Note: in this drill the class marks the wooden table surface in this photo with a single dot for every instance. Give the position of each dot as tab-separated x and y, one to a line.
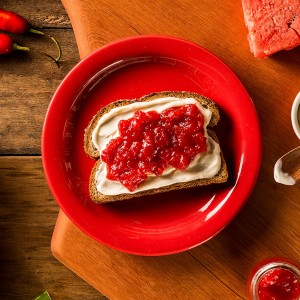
267	226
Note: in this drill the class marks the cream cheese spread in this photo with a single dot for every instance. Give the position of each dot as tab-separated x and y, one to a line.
204	165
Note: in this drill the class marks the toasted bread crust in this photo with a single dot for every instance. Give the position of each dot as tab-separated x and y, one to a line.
90	150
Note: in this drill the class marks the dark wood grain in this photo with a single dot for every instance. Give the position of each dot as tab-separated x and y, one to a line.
27	216
27	209
28	81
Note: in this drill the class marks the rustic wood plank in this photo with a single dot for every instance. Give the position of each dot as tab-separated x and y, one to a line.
28	81
27	216
45	13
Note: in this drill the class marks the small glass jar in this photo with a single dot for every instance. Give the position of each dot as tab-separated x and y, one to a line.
276	279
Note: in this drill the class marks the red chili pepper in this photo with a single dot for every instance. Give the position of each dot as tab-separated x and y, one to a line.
7	45
14	23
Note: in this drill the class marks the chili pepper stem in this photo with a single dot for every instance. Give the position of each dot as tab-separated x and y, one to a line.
22	48
52	38
18	47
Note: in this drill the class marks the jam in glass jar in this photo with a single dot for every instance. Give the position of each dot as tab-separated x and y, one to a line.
275	279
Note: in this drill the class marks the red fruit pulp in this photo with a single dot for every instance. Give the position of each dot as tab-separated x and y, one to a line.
150	142
279	284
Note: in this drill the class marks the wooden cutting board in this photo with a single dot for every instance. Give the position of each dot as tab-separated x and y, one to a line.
268	225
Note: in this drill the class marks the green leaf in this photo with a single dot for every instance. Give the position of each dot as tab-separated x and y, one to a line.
44	296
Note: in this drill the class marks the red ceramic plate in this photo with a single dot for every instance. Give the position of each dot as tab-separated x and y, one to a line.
130	68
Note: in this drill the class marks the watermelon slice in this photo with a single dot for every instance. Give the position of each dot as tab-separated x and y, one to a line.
273	25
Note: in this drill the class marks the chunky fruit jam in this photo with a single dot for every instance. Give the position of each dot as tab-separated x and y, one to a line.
150	142
279	284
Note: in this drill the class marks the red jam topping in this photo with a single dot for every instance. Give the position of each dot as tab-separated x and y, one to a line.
279	284
150	142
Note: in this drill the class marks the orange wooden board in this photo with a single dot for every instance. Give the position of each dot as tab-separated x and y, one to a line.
268	225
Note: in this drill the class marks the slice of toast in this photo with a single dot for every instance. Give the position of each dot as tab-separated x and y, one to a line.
91	151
